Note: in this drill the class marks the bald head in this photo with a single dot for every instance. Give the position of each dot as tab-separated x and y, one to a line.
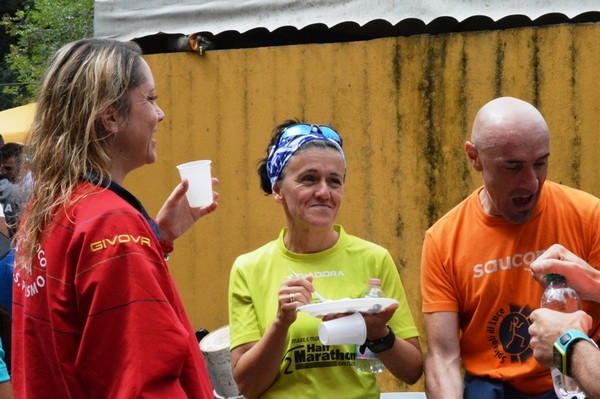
510	147
507	119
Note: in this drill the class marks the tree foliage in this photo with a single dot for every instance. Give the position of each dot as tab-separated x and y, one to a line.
7	7
40	30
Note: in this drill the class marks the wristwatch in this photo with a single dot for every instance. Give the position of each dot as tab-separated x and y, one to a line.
381	344
563	347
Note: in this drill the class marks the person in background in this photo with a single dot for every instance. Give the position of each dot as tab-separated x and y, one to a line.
11	200
272	343
6	279
3	226
5	319
548	325
7	266
95	310
5	336
477	288
10	161
5	387
11	196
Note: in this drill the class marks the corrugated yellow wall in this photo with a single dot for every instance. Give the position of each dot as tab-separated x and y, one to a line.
404	107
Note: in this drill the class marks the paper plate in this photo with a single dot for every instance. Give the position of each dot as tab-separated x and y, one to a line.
363	305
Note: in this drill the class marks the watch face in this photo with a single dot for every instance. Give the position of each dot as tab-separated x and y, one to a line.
560	356
558	359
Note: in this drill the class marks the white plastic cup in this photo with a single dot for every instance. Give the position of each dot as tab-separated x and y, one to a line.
200	192
344	330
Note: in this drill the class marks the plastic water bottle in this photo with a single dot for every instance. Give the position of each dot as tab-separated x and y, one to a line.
367	362
560	297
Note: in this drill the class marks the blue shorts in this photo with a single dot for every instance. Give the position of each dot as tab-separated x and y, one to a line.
487	388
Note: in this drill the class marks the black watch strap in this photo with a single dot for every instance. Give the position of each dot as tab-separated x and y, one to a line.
382	344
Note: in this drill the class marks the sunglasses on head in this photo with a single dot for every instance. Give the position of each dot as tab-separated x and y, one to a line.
306	129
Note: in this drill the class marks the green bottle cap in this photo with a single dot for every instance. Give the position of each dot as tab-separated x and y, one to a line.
553	277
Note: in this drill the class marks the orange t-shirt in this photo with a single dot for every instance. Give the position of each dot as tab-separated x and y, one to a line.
478	265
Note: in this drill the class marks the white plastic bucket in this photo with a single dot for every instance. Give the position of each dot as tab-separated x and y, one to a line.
215	348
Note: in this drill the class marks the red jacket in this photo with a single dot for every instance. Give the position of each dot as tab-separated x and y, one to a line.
100	316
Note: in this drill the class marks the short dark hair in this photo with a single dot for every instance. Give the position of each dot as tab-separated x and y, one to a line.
10	150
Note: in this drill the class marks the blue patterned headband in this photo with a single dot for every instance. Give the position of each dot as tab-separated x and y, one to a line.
294	137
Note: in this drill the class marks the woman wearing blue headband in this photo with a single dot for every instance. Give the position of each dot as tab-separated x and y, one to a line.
276	352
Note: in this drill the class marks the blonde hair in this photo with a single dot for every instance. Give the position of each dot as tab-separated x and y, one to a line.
67	141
